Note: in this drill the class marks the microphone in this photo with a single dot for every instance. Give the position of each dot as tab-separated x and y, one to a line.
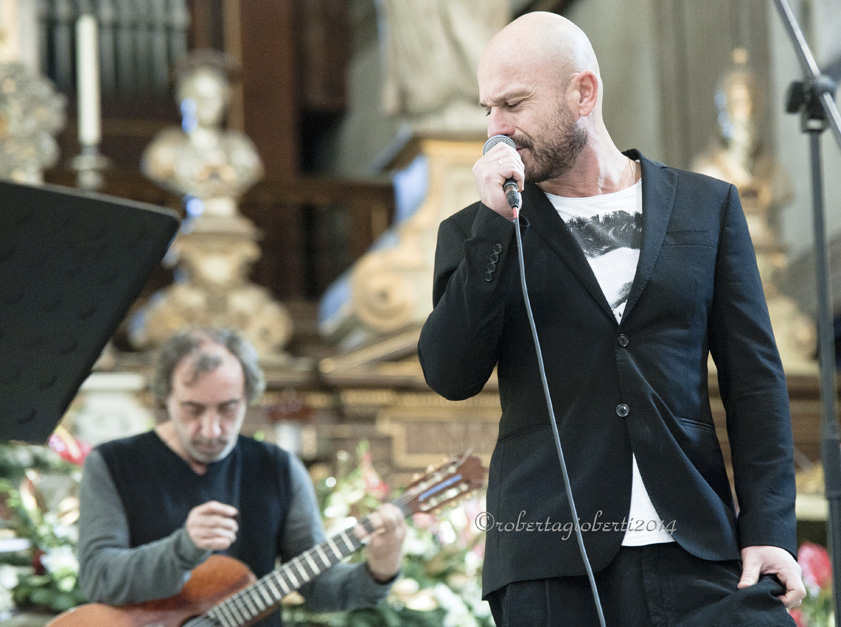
512	192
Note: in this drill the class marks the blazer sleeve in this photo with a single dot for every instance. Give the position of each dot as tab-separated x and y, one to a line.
475	263
753	389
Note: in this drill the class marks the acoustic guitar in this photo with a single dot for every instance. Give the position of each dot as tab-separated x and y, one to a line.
223	592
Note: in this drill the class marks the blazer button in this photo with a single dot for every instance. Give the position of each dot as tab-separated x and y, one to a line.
497	248
622	340
494	257
489	276
623	410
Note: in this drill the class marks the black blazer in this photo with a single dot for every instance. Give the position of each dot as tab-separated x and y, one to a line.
637	386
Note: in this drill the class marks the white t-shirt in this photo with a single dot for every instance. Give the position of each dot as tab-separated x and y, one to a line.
608	228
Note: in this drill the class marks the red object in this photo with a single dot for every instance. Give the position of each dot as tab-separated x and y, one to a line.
37	564
373	484
69	448
797	615
817	568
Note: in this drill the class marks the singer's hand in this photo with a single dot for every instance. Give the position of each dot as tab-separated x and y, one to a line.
500	163
772	560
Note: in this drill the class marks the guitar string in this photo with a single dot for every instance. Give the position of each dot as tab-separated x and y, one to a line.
241	598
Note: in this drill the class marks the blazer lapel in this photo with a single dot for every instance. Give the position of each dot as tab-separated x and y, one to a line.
545	221
658	197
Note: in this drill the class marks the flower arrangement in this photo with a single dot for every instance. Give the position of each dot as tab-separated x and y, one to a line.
817	608
38	570
440	584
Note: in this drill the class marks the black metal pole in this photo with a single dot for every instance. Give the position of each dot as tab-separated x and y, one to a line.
810	69
812	98
830	433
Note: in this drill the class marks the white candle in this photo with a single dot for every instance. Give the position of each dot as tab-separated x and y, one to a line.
87	80
9	38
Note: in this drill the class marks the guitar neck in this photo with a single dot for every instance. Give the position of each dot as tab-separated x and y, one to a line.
264	595
439	487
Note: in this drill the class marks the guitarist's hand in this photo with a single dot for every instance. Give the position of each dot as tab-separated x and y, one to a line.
212	526
385	546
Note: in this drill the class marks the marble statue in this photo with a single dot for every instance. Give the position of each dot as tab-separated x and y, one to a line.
202	159
431	50
740	156
211	167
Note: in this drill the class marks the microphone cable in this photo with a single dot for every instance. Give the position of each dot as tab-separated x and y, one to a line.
514	201
578	535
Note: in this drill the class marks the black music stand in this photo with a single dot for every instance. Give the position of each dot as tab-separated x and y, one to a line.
812	98
71	265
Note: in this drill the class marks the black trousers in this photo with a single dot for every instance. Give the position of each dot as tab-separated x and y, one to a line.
660	585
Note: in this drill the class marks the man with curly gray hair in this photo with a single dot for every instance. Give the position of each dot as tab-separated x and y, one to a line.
155	506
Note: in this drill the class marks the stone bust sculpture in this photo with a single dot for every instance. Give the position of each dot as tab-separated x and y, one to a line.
739	154
211	166
203	159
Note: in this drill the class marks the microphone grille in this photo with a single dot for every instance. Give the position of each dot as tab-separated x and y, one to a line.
493	141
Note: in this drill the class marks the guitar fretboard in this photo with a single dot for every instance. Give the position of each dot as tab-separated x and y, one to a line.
265	594
435	489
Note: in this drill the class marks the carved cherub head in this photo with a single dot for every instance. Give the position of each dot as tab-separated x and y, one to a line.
203	87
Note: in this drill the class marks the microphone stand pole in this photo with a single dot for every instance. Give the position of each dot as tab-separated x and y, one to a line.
812	98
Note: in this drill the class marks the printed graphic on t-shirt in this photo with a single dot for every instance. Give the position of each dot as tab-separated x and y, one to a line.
611	243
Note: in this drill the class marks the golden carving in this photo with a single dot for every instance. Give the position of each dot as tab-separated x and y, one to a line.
390	287
31	113
422	435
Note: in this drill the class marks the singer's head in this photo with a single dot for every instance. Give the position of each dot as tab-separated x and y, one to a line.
539	83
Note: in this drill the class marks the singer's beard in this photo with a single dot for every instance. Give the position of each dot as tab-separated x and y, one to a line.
555	155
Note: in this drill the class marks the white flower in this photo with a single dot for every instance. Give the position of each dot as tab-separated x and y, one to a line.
457	612
405	587
415	543
61	561
472	563
423	601
8	580
336	509
446	533
21	456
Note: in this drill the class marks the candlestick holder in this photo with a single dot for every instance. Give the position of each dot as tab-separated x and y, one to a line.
89	166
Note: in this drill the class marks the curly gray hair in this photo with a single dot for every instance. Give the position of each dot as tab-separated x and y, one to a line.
185	343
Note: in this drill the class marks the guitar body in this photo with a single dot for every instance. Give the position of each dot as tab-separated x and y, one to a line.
211	582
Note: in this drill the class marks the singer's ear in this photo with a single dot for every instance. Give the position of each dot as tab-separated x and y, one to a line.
587	84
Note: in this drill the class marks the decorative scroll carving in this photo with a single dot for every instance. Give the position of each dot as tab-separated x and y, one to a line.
390	287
